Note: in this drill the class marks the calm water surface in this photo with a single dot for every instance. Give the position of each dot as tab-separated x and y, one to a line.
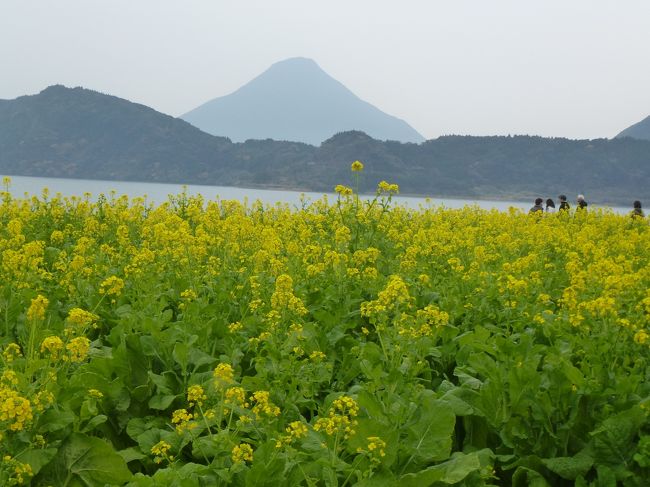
159	192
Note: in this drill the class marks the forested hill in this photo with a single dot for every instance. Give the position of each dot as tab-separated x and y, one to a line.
79	133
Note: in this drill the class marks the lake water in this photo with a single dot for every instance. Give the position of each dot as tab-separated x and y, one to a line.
159	192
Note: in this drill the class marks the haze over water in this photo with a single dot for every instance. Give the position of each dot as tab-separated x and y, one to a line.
158	193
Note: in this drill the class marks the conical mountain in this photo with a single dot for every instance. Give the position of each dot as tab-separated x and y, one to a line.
640	130
296	100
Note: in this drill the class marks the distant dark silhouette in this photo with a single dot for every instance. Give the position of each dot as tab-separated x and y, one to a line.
550	206
564	205
637	212
581	202
538	206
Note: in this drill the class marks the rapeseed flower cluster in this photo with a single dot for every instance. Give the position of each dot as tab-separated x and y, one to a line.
242	453
262	405
340	418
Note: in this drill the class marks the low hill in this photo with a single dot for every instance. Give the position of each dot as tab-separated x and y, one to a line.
79	133
640	130
296	100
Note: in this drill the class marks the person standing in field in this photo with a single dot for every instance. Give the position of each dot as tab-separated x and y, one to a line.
637	211
564	205
538	206
581	202
550	206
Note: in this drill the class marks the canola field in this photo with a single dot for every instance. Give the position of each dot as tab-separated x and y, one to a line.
205	343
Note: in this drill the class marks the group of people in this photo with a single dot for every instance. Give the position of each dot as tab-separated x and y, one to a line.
581	204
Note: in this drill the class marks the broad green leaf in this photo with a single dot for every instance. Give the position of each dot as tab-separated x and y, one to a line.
569	467
612	442
449	472
429	438
161	402
56	420
131	454
181	355
526	477
91	461
37	459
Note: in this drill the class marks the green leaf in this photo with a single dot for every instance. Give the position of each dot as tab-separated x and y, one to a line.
429	438
449	472
94	422
526	477
181	355
612	443
569	468
56	420
161	402
131	454
37	459
90	461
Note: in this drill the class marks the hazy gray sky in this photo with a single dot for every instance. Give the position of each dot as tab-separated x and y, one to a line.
569	68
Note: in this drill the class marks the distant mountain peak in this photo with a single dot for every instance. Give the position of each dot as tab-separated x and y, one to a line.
640	130
295	99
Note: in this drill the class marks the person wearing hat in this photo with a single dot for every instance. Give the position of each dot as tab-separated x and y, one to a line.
564	205
580	201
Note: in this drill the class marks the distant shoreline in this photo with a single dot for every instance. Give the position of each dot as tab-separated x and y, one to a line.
516	199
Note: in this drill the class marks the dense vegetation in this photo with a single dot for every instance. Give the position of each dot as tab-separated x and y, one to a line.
79	133
346	343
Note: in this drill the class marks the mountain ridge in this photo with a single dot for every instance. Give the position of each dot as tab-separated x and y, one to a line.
295	100
80	133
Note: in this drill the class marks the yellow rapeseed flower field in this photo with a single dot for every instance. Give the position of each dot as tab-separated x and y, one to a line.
346	343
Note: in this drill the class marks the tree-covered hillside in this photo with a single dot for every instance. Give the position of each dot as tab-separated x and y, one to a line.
78	133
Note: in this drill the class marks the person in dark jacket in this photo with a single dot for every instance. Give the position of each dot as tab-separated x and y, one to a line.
564	205
637	212
538	206
581	202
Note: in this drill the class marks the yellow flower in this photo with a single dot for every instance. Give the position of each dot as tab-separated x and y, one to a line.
242	453
111	286
11	352
160	451
317	356
195	394
78	349
357	166
81	318
233	327
182	419
37	308
236	396
15	408
641	337
53	345
340	418
384	187
263	406
10	377
295	431
223	375
95	393
343	190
